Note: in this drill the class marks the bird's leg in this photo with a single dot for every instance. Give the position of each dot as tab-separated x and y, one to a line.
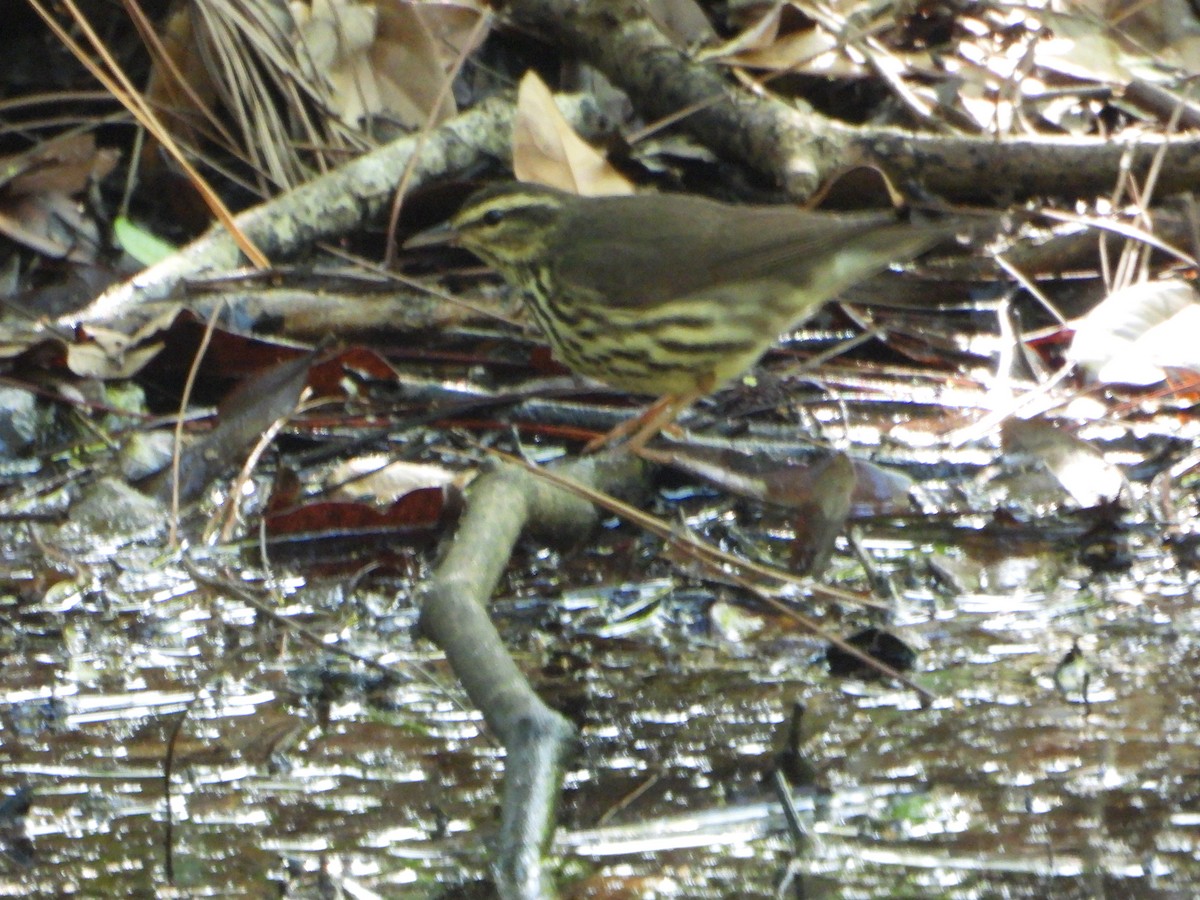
661	414
648	423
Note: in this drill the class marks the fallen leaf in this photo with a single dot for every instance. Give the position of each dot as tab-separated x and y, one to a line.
683	21
390	59
1137	333
419	510
37	188
381	479
546	150
64	165
766	46
1079	468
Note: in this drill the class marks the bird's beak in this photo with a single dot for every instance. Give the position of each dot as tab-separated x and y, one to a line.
442	235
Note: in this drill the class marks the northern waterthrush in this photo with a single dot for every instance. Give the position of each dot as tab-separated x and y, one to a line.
673	295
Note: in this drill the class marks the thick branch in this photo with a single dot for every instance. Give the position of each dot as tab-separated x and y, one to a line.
538	740
798	149
331	205
791	144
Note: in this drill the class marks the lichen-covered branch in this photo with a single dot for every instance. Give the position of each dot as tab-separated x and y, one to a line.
331	205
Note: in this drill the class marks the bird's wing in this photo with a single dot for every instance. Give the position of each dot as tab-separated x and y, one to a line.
634	255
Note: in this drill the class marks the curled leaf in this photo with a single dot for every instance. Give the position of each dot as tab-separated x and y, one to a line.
1137	333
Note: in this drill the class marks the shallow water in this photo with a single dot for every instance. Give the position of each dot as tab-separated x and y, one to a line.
294	771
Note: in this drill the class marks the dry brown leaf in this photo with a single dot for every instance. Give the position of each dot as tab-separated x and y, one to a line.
381	479
683	21
51	224
298	76
1137	333
92	360
63	165
337	38
1079	467
36	188
547	151
114	354
762	46
389	59
760	33
1084	49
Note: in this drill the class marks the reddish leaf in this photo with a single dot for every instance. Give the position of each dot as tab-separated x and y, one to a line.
327	378
420	510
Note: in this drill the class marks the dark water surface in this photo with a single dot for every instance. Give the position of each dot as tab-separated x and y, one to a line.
295	772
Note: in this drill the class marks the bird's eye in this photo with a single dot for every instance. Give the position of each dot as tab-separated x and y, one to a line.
492	217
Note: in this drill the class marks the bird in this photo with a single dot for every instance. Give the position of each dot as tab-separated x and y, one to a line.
673	295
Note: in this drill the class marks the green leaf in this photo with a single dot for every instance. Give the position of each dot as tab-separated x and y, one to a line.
143	246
